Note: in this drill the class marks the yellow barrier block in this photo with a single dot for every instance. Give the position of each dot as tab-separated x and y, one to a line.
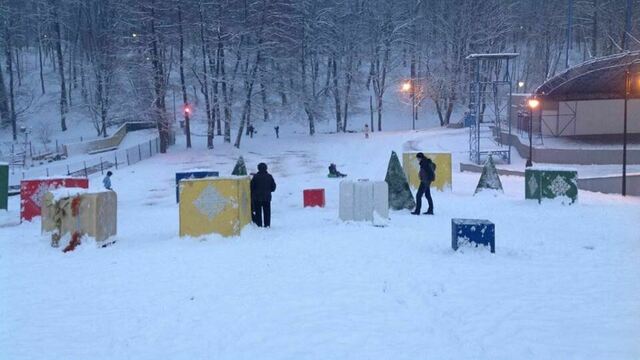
411	167
92	214
214	205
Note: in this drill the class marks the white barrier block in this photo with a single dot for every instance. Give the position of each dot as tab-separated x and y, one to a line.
346	200
363	204
381	199
359	200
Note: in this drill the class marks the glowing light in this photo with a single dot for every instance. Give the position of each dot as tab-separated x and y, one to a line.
533	103
134	35
520	84
187	109
406	86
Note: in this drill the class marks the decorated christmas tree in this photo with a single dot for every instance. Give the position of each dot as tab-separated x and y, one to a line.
240	168
400	196
489	178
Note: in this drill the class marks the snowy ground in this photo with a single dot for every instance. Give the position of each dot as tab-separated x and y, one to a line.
562	284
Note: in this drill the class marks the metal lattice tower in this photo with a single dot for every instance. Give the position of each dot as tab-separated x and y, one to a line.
490	106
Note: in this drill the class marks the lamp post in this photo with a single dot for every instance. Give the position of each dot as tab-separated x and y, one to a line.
408	87
627	90
532	103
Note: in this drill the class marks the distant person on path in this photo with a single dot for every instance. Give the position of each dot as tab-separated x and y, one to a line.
333	171
427	176
277	129
107	181
262	185
251	130
366	131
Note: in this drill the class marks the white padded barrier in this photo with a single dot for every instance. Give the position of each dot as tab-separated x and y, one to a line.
364	200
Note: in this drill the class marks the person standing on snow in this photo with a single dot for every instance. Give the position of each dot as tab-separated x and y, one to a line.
262	185
277	129
366	131
427	176
107	181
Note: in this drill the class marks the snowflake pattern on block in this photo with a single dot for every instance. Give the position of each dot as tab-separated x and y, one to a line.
210	203
559	186
533	185
37	196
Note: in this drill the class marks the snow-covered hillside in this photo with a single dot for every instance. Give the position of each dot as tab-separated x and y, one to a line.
561	285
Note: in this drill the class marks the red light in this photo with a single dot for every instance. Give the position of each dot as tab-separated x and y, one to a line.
187	109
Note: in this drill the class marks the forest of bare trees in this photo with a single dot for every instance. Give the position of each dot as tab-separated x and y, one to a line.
243	61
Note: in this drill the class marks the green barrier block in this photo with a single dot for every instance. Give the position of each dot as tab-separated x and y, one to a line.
4	186
550	184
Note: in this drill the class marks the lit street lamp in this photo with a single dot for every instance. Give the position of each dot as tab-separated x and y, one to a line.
532	103
409	88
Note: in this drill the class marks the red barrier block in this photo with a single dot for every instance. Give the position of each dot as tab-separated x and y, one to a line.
313	197
32	191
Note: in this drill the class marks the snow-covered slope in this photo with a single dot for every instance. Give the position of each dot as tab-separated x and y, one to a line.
561	285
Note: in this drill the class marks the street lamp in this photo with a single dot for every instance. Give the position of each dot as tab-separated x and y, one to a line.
406	86
532	103
628	80
520	84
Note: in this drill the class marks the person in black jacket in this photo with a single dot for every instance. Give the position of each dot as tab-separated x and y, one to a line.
262	185
427	175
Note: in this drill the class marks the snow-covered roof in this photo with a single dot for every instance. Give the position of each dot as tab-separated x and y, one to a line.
600	78
492	56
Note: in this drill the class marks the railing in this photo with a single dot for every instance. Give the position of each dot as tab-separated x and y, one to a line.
26	150
116	160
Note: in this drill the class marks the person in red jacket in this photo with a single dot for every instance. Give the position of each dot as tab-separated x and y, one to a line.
262	185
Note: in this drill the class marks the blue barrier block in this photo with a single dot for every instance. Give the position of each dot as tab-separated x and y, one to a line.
200	174
469	120
473	230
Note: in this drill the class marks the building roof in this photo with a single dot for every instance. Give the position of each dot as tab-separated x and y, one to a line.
492	56
600	78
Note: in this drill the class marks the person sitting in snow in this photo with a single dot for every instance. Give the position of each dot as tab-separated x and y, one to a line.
107	181
262	185
333	171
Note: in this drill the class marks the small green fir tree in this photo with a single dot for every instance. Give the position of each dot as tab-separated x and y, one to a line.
489	178
400	196
240	169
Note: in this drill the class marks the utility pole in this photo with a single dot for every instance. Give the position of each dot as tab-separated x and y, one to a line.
627	90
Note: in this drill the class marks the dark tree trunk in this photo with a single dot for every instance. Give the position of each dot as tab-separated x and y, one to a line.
336	94
225	94
40	60
215	105
205	83
63	88
159	88
263	95
246	112
185	102
4	104
12	103
347	92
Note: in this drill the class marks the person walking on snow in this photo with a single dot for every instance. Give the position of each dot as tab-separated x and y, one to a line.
366	131
427	176
277	129
107	181
262	185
